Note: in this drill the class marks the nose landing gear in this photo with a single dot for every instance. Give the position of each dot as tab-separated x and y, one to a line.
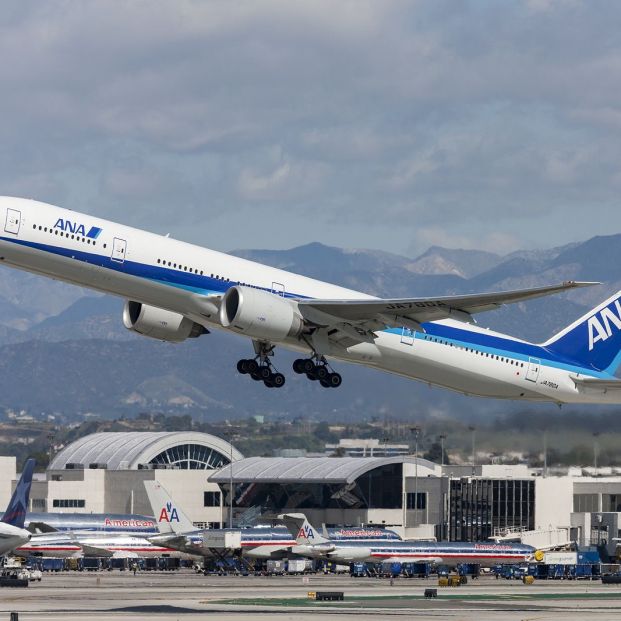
318	369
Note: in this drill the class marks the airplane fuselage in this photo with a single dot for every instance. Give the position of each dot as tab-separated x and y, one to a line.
183	278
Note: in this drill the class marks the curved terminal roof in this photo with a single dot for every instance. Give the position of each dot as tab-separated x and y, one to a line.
336	470
127	450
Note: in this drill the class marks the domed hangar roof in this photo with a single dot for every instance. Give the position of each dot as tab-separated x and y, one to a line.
134	450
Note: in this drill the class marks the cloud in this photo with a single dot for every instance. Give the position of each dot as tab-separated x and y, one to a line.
361	124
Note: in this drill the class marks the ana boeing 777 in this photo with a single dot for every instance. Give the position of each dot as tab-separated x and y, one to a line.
175	291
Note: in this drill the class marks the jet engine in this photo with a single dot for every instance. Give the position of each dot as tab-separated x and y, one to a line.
259	314
160	324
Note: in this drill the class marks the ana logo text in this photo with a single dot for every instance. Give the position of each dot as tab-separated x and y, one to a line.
75	227
306	532
168	514
600	325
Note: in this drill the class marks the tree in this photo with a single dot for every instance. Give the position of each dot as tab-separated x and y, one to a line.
434	454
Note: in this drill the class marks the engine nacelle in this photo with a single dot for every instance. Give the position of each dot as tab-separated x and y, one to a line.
160	324
259	314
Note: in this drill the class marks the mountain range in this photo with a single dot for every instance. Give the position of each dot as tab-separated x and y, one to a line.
63	349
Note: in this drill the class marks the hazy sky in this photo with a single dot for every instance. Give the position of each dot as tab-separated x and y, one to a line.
390	125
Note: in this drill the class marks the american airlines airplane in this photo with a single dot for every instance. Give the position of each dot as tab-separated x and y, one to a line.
175	291
313	545
12	532
177	531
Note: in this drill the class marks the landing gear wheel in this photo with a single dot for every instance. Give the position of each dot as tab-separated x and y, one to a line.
278	380
269	383
324	383
242	366
311	376
334	380
265	373
256	377
321	372
298	366
252	366
307	365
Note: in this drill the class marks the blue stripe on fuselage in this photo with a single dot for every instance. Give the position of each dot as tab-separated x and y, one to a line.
206	285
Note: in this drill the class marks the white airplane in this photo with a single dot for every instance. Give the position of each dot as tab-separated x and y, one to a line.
176	291
80	544
177	531
12	532
313	545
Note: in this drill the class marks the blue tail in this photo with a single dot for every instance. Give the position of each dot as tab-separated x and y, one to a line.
594	340
16	511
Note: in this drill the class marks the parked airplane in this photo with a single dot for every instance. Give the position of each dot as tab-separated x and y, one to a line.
86	522
12	532
176	291
75	545
313	545
177	531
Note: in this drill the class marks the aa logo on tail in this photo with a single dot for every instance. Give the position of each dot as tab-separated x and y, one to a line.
306	532
600	325
168	513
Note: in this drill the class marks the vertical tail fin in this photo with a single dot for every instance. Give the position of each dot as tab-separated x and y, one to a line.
301	530
15	514
168	516
594	340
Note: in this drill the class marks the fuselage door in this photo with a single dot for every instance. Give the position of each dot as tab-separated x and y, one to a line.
278	288
13	220
532	372
119	248
407	336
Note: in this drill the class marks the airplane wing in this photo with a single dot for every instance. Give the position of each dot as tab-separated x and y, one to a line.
89	550
358	319
176	542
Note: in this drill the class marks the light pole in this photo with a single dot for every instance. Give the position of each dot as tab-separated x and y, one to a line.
472	430
415	430
231	480
595	449
442	438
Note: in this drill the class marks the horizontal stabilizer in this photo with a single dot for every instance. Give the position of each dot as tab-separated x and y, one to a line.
595	383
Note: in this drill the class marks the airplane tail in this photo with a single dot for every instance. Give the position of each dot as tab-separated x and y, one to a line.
594	340
15	514
301	530
169	517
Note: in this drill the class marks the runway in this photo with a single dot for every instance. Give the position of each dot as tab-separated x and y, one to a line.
185	595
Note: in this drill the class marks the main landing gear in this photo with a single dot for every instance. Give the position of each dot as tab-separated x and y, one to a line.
260	368
317	369
261	372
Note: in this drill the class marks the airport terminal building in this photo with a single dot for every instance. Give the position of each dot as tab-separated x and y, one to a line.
104	473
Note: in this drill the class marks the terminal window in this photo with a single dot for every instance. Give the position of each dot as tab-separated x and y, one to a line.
421	500
69	503
211	499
